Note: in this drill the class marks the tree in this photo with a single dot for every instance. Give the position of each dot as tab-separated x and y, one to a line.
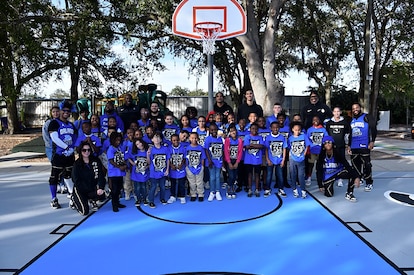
23	57
60	94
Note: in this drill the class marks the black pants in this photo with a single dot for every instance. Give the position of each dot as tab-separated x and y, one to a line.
361	161
329	183
117	184
81	200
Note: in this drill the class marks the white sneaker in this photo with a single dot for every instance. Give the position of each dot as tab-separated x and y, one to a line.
308	181
228	196
340	183
266	193
303	194
282	193
182	200
171	199
211	196
368	188
350	197
233	196
218	196
295	193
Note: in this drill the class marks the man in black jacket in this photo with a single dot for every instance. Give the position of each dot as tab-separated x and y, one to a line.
315	108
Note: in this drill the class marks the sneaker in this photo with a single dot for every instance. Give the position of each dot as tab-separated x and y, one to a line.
55	204
350	197
69	195
281	193
250	193
218	196
303	194
257	193
266	193
182	200
295	193
228	196
200	199
224	185
137	203
368	188
72	204
127	196
211	196
233	196
171	199
152	205
63	189
340	183
308	181
146	203
164	202
94	206
193	199
58	189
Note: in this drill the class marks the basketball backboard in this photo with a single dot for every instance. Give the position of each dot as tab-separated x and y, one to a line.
228	13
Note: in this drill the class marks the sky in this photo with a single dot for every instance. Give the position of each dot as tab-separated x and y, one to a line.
177	75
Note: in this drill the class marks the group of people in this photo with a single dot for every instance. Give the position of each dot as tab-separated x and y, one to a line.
143	152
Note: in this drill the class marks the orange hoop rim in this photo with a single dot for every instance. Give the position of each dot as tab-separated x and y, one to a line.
208	29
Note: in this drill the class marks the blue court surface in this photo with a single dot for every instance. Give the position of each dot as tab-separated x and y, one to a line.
241	236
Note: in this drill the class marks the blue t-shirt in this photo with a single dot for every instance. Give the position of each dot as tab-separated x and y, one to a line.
195	156
177	155
253	156
275	145
159	158
315	136
170	130
297	147
140	170
118	156
359	133
331	167
201	135
95	140
215	146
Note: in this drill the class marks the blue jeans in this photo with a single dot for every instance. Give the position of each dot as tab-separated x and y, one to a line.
232	179
297	172
214	178
154	183
278	176
140	190
178	187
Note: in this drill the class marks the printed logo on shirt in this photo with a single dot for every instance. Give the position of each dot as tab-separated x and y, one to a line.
201	139
141	165
356	132
119	158
276	148
316	138
216	150
176	159
233	151
298	147
160	162
167	133
194	158
95	169
254	151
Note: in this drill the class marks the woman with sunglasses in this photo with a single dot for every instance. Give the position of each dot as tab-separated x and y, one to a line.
89	180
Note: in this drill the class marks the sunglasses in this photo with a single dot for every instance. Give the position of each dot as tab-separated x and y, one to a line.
86	150
66	111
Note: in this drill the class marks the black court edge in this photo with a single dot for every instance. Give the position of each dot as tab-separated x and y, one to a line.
215	223
398	269
74	226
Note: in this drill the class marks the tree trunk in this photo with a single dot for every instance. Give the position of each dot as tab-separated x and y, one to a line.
12	116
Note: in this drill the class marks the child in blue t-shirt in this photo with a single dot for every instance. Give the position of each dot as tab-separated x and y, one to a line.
137	158
86	135
170	128
116	169
275	146
158	157
298	145
214	148
177	170
195	156
253	145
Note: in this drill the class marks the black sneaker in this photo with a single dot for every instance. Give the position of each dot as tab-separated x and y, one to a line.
146	203
137	203
193	199
72	204
164	202
55	204
94	206
249	193
152	205
200	199
121	205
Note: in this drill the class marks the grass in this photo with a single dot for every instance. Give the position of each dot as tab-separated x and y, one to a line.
35	145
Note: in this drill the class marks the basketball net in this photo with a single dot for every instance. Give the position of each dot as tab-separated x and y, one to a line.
208	31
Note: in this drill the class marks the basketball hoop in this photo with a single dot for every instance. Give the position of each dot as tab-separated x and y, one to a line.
208	31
